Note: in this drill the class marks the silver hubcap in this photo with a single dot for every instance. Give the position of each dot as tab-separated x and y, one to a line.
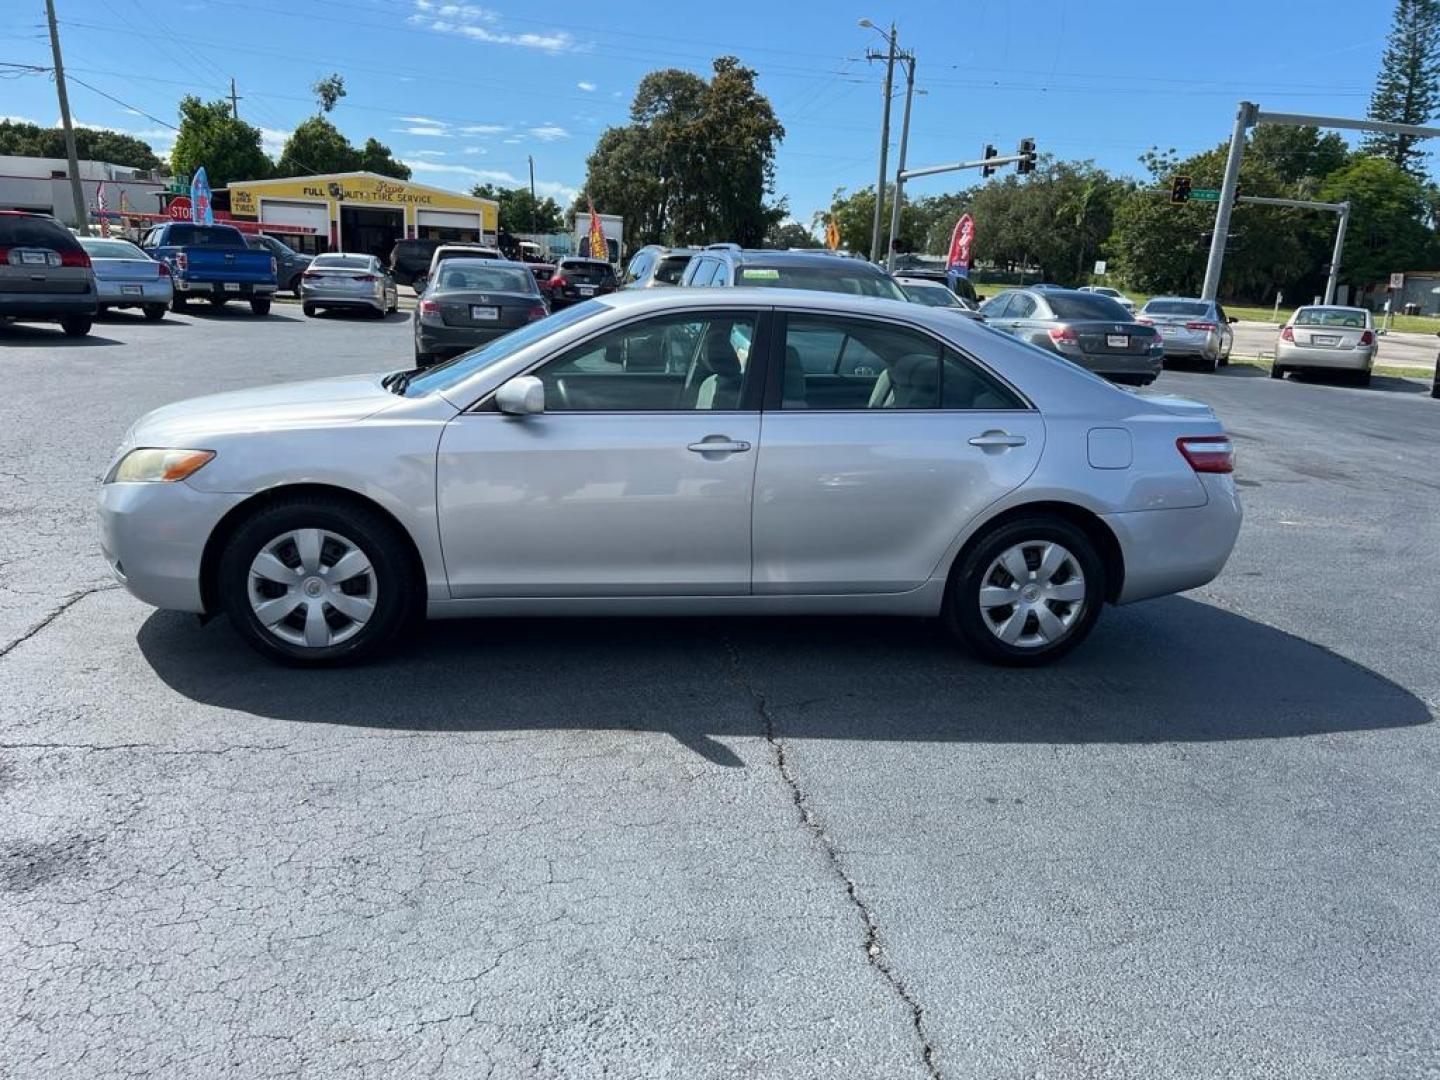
312	588
1032	594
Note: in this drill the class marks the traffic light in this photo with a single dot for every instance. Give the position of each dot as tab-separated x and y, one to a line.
1026	164
989	170
1179	190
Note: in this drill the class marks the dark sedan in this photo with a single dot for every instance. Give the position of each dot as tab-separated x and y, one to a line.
575	280
470	302
1086	328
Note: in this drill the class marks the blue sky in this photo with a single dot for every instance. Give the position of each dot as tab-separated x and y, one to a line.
463	92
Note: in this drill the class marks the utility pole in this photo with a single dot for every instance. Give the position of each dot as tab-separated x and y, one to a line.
534	209
909	60
889	58
234	100
77	190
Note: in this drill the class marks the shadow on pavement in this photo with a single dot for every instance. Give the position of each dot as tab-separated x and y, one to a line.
1384	383
1170	670
238	310
47	334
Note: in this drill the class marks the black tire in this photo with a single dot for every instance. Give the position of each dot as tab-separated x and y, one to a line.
1208	364
1362	378
293	285
216	300
260	305
395	583
76	325
309	310
423	360
154	312
177	302
962	613
1276	371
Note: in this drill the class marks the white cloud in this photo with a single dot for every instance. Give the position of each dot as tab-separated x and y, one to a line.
474	150
272	141
560	192
482	24
424	129
549	133
427	153
423	120
563	194
482	129
514	139
588	87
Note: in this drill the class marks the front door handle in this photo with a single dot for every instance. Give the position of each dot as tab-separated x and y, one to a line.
719	444
997	440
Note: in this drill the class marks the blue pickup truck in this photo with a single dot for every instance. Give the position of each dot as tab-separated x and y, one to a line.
212	261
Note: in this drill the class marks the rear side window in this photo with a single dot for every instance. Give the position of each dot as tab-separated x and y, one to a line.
20	231
671	269
704	271
1085	306
204	236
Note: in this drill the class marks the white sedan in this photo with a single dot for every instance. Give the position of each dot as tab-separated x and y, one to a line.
708	452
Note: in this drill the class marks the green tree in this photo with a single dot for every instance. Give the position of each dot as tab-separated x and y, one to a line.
376	157
1387	230
518	209
328	91
20	139
788	234
211	136
1297	155
317	146
1407	90
696	162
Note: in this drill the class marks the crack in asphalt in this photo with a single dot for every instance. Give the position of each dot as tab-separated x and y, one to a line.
874	946
65	605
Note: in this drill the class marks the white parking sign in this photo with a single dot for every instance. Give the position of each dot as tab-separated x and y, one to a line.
1397	281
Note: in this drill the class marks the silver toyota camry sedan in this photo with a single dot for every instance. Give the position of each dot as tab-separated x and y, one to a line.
697	451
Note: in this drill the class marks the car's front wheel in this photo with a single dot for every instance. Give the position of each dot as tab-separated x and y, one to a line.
1028	592
75	325
316	582
260	305
154	312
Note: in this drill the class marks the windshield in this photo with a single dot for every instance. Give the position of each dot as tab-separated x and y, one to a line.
113	249
1085	306
484	276
839	279
1346	317
1177	307
442	377
932	295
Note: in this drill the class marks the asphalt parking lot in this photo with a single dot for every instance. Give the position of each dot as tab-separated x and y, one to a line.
1204	845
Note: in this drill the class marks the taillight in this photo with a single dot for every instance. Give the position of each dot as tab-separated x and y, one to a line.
558	282
1199	326
312	274
1208	453
364	277
429	307
164	269
182	261
1063	335
1287	334
1367	338
78	257
537	312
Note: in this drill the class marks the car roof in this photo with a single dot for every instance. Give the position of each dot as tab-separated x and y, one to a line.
929	283
777	259
1186	299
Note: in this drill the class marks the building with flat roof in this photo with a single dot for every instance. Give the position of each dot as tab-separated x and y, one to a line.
42	186
362	212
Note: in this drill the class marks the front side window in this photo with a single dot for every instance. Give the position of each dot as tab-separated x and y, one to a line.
672	363
1022	306
840	363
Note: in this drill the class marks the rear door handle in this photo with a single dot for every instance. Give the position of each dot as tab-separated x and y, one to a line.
718	444
997	439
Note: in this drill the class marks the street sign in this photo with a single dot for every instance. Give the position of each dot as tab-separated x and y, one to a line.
1397	281
1204	194
1100	266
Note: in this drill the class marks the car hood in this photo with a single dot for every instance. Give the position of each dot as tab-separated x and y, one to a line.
321	402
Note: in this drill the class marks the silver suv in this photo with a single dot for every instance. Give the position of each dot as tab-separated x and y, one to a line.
45	275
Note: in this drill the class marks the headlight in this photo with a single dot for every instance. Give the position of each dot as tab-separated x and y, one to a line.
157	465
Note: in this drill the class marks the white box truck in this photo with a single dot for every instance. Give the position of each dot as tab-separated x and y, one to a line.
613	226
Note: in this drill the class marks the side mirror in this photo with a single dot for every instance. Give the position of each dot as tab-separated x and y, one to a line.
523	395
980	298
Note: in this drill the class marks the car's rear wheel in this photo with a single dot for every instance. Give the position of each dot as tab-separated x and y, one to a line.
316	582
1276	371
293	285
177	302
1362	378
154	312
260	305
309	310
1028	592
76	325
1208	363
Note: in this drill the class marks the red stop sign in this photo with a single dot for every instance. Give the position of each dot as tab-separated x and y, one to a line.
179	208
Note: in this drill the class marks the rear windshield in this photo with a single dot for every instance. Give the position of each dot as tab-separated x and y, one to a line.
341	262
1318	316
478	275
1085	306
932	295
113	249
17	230
204	236
672	269
1177	307
837	279
587	269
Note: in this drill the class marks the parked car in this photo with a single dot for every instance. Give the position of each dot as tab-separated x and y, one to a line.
125	277
454	251
1114	294
966	476
935	294
289	263
1092	331
962	287
656	266
730	265
410	259
212	261
470	302
576	279
1327	338
1192	329
45	275
339	280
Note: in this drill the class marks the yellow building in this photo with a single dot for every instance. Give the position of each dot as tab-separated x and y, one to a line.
363	211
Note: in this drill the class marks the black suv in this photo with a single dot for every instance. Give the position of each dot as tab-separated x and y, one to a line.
410	259
730	265
577	279
656	266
